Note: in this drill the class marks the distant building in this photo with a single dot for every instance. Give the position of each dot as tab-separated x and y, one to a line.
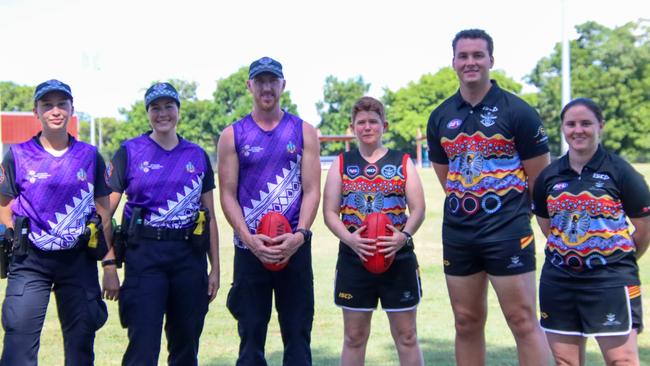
16	127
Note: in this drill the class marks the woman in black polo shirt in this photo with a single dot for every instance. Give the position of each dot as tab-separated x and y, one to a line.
590	283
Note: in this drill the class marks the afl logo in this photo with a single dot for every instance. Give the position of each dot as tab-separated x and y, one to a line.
560	186
352	171
388	171
370	170
291	147
454	123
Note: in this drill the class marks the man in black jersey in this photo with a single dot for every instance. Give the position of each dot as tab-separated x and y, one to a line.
487	146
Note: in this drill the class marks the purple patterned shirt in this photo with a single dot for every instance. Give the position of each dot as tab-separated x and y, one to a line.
56	193
166	184
269	169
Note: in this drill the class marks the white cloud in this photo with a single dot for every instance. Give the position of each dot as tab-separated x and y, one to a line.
110	51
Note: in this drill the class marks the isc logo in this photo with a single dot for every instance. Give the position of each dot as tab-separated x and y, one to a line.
345	295
370	170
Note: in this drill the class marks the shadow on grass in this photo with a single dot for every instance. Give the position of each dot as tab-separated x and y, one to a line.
320	357
435	351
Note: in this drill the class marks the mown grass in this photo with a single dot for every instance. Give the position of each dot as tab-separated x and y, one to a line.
219	343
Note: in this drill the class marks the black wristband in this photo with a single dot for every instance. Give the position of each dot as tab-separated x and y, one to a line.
109	262
409	239
305	233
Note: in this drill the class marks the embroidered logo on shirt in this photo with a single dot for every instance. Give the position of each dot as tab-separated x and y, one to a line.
560	186
488	118
388	171
291	147
248	149
147	166
602	176
190	167
81	175
370	170
454	123
32	176
353	171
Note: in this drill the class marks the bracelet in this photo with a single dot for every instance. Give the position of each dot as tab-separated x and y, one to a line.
109	262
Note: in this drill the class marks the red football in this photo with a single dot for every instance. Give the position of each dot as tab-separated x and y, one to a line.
375	224
273	224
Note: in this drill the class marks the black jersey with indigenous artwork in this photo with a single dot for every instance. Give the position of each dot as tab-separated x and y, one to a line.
486	188
590	243
372	187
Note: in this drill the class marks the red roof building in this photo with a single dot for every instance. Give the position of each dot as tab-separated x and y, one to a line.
16	127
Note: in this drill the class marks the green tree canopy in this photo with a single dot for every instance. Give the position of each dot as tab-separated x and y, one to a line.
409	107
335	108
16	98
612	67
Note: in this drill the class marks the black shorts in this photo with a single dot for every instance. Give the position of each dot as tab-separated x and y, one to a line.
503	258
590	312
357	289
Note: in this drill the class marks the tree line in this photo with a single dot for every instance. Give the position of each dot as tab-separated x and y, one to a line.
609	65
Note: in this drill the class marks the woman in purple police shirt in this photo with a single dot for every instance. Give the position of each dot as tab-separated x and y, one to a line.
167	181
51	186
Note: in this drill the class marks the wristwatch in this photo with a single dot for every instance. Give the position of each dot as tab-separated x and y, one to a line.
409	240
306	233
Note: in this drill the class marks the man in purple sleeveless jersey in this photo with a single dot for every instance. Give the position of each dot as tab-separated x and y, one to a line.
57	183
269	161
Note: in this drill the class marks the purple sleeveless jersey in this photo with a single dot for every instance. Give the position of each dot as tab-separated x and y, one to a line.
269	169
56	193
166	184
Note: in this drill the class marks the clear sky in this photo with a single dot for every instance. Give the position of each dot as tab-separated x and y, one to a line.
110	51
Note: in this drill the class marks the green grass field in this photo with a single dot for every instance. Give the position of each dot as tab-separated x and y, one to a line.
219	343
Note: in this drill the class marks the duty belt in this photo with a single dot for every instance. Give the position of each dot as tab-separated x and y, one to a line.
163	233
